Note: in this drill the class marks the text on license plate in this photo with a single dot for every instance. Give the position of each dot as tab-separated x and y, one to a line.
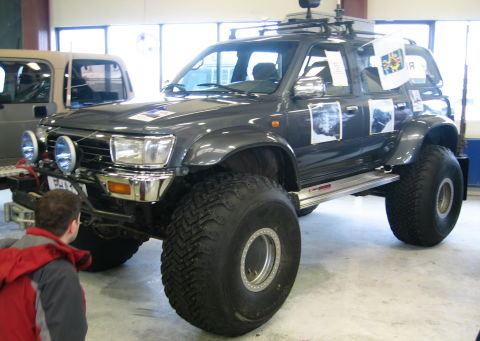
56	183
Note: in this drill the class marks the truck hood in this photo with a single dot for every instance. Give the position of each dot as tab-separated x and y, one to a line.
148	118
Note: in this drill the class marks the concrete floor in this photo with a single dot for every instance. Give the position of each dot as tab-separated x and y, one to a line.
355	282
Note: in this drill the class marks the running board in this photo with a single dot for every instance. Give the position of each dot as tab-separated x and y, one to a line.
331	190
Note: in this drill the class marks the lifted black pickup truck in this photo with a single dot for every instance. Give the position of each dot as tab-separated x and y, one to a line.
251	134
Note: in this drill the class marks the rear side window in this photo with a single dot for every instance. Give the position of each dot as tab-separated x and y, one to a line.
95	82
422	69
25	81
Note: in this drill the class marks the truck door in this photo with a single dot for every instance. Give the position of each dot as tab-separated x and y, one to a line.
325	124
25	96
385	110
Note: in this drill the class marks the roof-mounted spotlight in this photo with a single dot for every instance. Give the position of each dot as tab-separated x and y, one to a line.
309	4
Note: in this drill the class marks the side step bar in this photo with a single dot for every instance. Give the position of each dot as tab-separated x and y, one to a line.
330	190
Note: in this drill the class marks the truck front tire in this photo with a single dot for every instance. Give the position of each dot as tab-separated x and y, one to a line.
423	206
232	253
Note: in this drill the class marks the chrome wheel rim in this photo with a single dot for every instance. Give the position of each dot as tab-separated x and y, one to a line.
260	259
445	198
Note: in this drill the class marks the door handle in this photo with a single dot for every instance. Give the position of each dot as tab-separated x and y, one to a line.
351	108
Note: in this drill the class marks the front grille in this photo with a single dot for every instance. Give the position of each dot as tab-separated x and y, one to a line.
94	148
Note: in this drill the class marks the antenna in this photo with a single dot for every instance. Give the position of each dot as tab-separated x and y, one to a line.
339	11
463	125
68	101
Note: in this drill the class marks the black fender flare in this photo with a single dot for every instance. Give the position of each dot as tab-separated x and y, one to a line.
219	145
431	129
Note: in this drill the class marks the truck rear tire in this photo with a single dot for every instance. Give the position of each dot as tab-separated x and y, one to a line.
232	253
423	206
106	253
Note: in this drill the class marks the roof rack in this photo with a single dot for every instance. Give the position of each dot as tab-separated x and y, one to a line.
326	28
297	25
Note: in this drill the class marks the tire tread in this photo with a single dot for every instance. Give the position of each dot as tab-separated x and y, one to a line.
188	249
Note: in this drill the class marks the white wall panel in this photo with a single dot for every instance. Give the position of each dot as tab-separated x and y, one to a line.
424	9
117	12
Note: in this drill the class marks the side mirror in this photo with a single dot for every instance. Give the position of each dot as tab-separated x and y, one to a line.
40	111
5	98
309	87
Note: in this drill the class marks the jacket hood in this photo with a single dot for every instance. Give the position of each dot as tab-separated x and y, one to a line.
34	250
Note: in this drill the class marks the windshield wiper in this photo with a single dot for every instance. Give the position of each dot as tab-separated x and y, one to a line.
169	89
229	89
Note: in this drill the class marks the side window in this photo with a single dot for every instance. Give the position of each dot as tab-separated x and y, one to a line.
369	72
417	69
328	65
95	82
423	71
25	81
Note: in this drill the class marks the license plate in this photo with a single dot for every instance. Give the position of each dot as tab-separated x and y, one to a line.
56	183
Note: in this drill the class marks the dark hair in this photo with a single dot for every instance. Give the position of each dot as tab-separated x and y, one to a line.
56	210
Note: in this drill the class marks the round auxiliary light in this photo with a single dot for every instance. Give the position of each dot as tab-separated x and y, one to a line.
29	146
65	154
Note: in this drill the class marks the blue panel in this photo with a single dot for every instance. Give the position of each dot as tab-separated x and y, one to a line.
473	152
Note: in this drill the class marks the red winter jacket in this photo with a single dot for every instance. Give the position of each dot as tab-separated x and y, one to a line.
40	294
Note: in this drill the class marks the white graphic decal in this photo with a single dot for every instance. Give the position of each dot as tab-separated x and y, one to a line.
382	116
326	122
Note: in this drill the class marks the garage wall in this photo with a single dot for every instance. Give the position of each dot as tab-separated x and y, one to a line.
103	12
423	9
110	12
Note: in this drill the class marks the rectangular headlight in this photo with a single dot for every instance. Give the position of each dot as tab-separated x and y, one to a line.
149	151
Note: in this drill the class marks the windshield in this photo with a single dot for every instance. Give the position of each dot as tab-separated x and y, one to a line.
253	67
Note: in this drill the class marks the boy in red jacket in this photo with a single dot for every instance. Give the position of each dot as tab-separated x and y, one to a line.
40	293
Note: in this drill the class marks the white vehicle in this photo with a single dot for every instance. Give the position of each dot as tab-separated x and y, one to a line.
35	84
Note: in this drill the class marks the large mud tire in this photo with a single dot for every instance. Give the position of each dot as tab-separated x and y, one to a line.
106	253
232	253
424	205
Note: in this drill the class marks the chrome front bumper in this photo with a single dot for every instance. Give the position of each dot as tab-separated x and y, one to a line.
146	187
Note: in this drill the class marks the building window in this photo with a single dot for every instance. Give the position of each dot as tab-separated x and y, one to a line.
139	47
183	42
450	48
418	32
89	40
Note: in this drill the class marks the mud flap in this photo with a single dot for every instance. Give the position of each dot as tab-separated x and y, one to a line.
464	162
